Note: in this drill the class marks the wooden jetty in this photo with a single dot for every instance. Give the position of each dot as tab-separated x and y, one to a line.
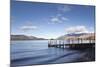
79	43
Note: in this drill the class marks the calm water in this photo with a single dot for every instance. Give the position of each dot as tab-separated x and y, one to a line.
37	52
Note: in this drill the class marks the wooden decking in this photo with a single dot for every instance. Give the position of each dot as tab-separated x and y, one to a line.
71	43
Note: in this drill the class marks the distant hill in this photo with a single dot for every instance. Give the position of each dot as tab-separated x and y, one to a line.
78	35
70	35
24	37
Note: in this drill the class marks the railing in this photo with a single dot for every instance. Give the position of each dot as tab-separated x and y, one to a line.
63	43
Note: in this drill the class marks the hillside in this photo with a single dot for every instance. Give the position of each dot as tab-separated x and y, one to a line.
75	36
24	37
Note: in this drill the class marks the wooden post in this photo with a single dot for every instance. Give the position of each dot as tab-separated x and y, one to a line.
63	43
72	41
56	43
81	40
89	40
69	41
78	40
59	43
49	43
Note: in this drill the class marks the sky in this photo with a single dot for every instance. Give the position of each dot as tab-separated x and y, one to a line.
49	20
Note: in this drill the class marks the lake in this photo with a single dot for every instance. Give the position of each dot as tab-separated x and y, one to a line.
36	52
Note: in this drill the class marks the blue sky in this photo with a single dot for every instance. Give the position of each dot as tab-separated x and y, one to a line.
50	20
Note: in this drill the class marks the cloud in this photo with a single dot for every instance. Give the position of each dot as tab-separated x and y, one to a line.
63	8
77	29
58	19
55	20
64	18
28	28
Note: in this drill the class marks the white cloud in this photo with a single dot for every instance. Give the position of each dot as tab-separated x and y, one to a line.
77	29
64	8
59	15
64	18
58	19
28	28
55	20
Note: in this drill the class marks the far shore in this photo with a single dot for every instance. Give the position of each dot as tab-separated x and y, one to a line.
25	40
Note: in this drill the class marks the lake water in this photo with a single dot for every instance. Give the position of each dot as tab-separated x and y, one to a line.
36	52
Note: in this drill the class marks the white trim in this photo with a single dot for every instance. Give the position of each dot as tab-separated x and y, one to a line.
82	2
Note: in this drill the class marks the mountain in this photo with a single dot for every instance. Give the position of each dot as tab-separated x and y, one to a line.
24	37
78	35
69	35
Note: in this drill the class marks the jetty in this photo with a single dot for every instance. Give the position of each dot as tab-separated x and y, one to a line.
72	43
